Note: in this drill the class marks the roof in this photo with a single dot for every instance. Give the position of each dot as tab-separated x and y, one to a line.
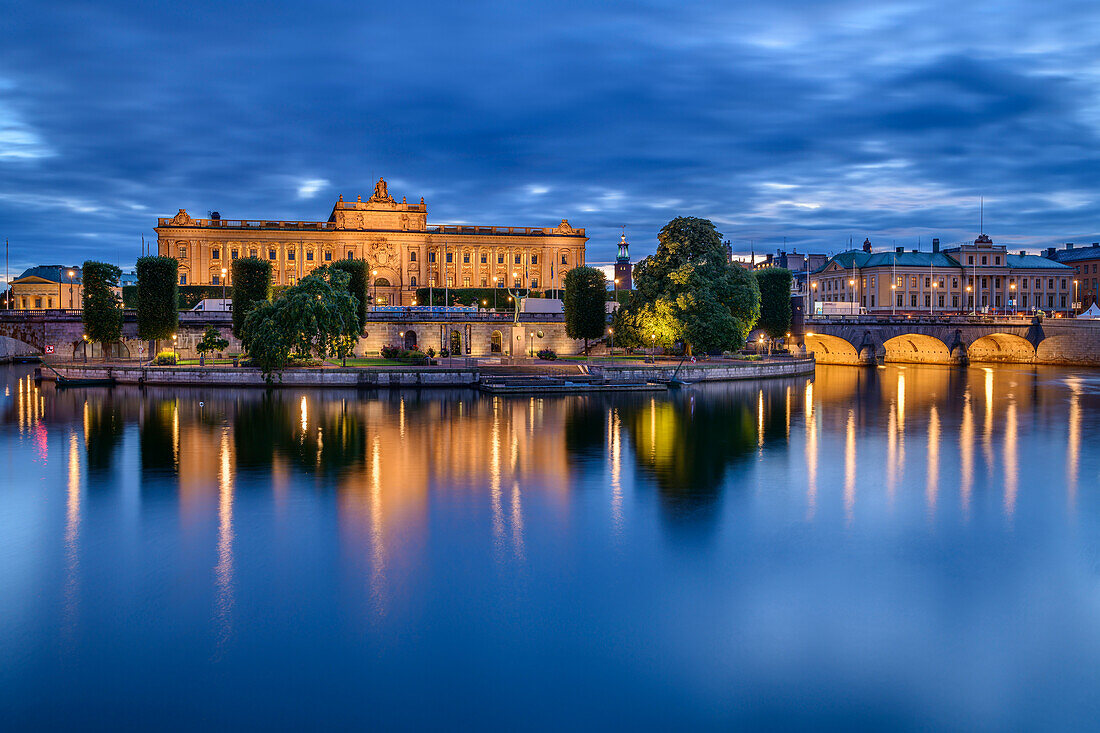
931	259
1077	254
888	259
52	273
1035	262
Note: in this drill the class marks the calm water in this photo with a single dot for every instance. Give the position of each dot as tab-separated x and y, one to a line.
903	547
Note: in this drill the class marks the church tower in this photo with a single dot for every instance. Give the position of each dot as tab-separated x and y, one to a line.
623	267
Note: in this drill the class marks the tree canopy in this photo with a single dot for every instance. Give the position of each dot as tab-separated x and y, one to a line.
317	317
775	301
158	291
102	313
688	291
251	286
585	296
212	340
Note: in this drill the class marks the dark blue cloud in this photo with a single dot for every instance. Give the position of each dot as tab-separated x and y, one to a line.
815	121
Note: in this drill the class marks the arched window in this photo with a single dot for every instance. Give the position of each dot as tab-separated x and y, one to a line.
412	281
381	283
496	342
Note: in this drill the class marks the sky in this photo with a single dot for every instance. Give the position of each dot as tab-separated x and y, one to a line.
808	122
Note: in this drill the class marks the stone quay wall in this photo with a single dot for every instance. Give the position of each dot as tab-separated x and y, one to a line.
247	377
710	372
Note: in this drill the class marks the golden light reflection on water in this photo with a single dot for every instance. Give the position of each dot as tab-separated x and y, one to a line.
1073	444
223	571
615	457
966	453
811	450
72	538
850	468
1011	458
931	488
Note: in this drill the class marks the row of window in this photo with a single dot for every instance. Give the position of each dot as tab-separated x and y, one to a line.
838	284
1084	268
272	254
941	300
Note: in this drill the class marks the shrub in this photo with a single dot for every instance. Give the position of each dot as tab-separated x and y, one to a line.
166	358
444	352
391	352
430	352
547	354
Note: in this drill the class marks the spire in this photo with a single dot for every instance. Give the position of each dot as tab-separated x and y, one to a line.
624	253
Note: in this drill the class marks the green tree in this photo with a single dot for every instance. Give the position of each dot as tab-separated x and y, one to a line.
212	340
316	317
102	313
251	287
357	285
158	289
585	296
775	301
688	291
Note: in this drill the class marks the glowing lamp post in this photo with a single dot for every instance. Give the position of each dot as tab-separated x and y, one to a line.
224	273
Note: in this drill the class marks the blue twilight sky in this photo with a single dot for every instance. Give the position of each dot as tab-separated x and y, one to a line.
806	119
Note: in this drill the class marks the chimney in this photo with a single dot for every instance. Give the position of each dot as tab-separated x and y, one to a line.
866	245
916	250
935	245
1050	252
899	250
1069	245
1096	244
1023	252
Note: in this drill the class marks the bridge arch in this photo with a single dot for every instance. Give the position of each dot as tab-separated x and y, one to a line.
828	349
917	348
1002	347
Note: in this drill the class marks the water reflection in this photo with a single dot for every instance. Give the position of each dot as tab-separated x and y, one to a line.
390	529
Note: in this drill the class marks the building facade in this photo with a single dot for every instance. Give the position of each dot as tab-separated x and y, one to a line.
403	251
48	287
1085	262
980	277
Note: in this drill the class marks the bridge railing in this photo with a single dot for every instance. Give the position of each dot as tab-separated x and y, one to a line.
870	319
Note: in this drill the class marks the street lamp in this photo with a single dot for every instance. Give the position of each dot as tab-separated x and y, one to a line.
653	337
1076	303
1012	287
969	297
86	348
931	297
893	299
611	333
224	273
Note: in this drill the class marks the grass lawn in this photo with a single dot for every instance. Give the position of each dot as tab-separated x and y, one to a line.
209	362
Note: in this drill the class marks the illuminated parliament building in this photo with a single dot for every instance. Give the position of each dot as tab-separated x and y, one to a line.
403	251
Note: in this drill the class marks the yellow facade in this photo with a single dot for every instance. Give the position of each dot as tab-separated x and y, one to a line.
35	293
403	251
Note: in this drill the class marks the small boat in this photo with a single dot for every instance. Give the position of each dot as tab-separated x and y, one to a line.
84	382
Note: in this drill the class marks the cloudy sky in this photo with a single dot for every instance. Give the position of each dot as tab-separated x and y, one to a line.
806	119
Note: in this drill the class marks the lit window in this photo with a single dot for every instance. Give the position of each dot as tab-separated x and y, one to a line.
215	279
465	282
534	259
251	253
309	255
216	254
466	258
328	256
412	256
565	259
271	254
183	251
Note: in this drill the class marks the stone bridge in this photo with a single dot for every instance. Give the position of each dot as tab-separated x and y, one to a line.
477	333
865	340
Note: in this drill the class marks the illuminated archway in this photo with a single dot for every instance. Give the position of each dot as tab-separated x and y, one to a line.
496	342
831	349
410	339
917	348
1002	347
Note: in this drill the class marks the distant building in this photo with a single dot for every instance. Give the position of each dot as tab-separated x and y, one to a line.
623	269
403	251
800	265
1085	262
48	287
979	277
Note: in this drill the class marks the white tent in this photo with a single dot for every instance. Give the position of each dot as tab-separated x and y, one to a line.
1092	314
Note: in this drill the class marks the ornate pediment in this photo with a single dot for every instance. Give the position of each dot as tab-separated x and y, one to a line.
182	219
564	228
